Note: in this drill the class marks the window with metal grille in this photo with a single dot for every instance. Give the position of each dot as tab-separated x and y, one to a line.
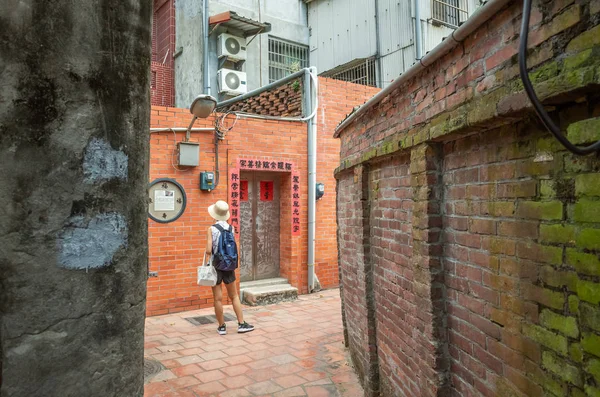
449	12
285	58
359	71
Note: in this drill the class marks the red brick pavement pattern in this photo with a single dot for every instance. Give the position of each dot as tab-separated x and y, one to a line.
296	350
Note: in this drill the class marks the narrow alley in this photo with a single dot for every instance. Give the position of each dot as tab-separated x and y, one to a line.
296	350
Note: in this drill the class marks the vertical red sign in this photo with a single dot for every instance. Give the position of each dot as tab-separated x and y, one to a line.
234	198
266	190
243	190
295	204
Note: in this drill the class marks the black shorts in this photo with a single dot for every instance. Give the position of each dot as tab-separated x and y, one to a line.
226	277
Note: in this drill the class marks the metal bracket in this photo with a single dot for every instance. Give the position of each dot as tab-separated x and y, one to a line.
253	37
152	274
213	29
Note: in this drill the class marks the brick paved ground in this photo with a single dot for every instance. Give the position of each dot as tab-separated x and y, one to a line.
296	350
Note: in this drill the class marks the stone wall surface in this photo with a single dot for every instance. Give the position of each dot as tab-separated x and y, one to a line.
74	171
469	237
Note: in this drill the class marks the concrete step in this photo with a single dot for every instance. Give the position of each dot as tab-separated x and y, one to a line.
263	283
269	294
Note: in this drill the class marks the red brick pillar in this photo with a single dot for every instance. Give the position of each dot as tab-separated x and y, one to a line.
428	284
358	300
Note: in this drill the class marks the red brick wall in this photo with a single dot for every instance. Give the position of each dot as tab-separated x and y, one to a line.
336	100
163	46
468	236
176	248
161	88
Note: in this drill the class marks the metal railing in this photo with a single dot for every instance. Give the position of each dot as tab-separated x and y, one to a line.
285	58
361	71
449	12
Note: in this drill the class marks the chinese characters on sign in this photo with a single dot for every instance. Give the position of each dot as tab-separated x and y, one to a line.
266	190
239	189
234	199
295	204
243	191
270	165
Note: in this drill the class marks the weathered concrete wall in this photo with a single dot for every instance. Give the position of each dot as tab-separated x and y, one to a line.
288	21
480	232
73	230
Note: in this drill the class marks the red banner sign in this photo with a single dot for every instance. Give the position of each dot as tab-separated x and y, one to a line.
243	190
234	198
266	190
295	204
267	165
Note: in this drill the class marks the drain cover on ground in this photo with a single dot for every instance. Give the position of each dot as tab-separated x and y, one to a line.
209	319
151	368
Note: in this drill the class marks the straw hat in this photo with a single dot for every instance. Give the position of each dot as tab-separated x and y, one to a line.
219	210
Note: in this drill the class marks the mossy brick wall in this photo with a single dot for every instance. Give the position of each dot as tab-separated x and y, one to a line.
176	248
479	269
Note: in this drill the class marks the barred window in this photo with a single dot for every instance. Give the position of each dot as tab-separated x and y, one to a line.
285	58
450	12
359	71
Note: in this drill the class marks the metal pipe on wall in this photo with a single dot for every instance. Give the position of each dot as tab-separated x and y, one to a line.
418	33
312	175
379	79
206	30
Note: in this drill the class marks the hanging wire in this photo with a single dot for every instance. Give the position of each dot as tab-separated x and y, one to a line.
537	105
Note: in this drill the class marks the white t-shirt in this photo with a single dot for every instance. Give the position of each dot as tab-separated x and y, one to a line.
216	233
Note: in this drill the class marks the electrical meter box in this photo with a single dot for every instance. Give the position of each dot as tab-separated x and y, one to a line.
189	154
320	191
207	181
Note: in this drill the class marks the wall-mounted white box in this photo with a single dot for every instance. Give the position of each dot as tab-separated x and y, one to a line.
189	154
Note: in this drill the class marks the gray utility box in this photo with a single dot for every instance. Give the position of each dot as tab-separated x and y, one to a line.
189	154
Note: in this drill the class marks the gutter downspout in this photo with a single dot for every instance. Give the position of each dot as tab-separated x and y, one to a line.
482	15
311	127
418	33
379	79
205	61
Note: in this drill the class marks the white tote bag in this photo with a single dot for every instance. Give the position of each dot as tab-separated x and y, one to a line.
207	275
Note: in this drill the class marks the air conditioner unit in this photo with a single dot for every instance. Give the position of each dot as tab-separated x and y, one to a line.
232	82
232	47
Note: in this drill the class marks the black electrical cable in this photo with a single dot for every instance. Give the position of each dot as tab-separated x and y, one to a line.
539	108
